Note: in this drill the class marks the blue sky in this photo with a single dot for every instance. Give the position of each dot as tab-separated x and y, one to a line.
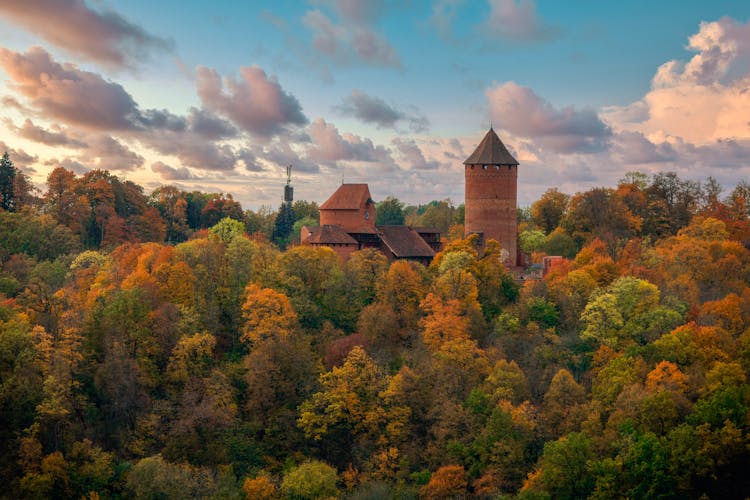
219	96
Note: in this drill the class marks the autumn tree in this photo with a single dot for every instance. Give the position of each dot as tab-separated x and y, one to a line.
548	211
267	314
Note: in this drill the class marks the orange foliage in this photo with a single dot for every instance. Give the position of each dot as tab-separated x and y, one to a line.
443	322
447	482
666	375
267	314
259	488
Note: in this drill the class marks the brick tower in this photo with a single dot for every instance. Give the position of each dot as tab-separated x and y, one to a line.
491	175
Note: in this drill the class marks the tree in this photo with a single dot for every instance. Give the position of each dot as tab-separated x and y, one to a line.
628	311
8	174
349	417
531	241
284	225
549	210
227	229
154	477
311	480
449	481
600	213
267	314
306	210
562	403
564	468
389	212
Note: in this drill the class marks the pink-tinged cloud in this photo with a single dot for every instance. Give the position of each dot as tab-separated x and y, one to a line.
412	155
104	37
107	153
720	45
19	157
703	100
517	21
168	173
67	94
374	110
191	149
210	126
281	154
68	164
349	43
633	148
329	146
567	130
55	136
356	11
255	103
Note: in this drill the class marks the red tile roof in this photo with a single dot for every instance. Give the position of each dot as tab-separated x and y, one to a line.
404	242
348	197
328	235
491	151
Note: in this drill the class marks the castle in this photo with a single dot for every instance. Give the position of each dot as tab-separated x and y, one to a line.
347	218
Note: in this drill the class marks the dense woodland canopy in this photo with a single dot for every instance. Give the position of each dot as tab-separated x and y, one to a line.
162	346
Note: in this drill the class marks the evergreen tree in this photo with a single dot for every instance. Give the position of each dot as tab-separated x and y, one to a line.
7	183
284	225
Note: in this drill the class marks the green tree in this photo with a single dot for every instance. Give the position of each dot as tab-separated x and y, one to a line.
549	210
284	225
310	481
8	174
389	212
564	468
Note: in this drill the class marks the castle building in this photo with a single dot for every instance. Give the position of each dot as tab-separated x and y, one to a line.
491	177
347	224
347	218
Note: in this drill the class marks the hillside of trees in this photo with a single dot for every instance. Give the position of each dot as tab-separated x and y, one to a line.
172	345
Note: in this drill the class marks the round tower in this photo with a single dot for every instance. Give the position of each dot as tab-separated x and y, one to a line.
491	175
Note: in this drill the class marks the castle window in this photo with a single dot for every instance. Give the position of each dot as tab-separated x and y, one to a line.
367	215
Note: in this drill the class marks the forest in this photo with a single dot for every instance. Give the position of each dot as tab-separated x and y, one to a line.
174	345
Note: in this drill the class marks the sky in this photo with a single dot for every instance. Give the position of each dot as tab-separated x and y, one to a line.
220	96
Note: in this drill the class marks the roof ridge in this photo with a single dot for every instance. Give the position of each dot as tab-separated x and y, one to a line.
491	151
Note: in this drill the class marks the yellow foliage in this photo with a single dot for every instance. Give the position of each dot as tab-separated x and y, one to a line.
267	314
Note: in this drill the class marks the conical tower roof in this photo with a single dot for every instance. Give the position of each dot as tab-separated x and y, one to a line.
491	151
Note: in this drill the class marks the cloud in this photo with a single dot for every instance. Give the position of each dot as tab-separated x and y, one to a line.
55	137
356	11
210	126
568	130
255	103
329	146
349	42
633	148
443	14
68	164
281	154
168	173
517	21
107	153
248	158
19	157
374	110
192	150
702	101
413	156
65	93
104	37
